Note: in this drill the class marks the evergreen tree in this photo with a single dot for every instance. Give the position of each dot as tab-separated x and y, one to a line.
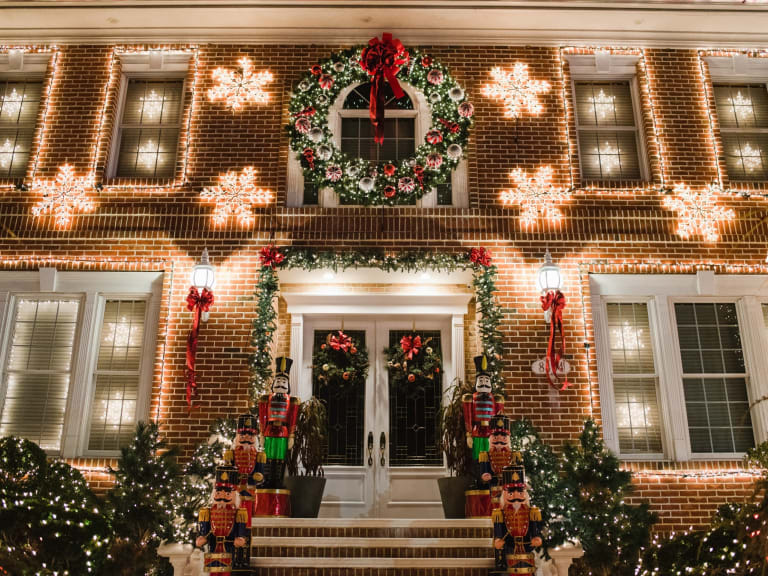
141	503
50	521
611	531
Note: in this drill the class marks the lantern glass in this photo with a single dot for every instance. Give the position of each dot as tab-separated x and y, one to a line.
202	274
549	279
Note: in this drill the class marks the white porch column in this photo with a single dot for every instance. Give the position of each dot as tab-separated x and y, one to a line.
457	341
179	555
297	353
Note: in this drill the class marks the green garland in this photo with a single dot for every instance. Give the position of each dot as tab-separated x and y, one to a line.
424	363
359	181
477	260
345	367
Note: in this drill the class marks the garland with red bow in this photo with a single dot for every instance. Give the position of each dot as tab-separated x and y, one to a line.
413	359
340	361
197	302
554	302
382	62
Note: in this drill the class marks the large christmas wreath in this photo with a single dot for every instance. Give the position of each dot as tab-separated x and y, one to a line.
340	361
413	359
358	181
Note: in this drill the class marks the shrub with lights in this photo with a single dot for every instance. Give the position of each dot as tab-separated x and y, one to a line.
50	521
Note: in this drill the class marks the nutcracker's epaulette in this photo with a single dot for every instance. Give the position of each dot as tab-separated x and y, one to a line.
498	398
242	516
535	514
204	515
295	400
261	457
482	457
466	398
497	515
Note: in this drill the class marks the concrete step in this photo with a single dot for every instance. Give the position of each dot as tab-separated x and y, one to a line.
339	547
370	528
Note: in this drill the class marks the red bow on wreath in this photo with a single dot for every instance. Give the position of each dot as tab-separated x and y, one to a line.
383	59
341	342
270	256
555	303
411	346
198	302
480	256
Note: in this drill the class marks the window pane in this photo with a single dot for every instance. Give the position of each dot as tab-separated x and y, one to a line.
150	129
116	381
38	370
630	335
604	104
360	98
741	105
746	155
717	407
609	155
19	107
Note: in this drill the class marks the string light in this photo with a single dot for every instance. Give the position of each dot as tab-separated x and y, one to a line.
698	212
239	88
63	197
708	106
567	107
536	196
235	195
518	91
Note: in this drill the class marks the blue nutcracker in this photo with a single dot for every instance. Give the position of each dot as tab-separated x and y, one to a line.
516	526
223	527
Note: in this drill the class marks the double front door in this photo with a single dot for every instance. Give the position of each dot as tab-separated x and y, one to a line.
383	443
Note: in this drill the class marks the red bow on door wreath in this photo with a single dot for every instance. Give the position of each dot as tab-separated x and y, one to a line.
383	59
411	346
197	302
555	303
341	342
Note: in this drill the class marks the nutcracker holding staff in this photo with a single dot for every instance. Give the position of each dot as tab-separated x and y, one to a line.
222	527
277	419
516	526
480	409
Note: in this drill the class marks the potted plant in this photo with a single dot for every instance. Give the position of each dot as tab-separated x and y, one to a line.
305	462
452	438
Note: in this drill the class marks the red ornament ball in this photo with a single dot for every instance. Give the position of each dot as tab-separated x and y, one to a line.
411	378
434	137
303	125
390	169
353	350
466	109
325	81
316	70
406	185
434	160
435	77
346	375
426	61
333	173
389	191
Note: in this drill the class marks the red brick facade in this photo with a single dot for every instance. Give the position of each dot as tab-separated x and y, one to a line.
164	226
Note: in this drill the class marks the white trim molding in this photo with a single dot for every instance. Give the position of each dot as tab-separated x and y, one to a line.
28	64
738	67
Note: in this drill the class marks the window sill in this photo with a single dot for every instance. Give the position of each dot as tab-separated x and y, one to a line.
121	182
640	185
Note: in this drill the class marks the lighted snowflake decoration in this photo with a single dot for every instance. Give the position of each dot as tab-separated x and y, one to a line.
698	212
11	104
235	195
239	88
6	153
536	196
63	197
517	89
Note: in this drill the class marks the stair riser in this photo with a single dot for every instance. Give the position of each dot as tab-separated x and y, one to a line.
372	572
369	552
288	533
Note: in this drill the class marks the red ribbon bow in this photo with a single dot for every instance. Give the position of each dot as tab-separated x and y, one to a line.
411	346
198	302
271	256
383	59
341	342
453	127
480	256
555	303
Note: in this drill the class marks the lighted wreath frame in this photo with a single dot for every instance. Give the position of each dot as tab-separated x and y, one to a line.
478	260
313	98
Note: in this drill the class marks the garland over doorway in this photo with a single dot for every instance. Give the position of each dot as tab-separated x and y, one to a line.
273	259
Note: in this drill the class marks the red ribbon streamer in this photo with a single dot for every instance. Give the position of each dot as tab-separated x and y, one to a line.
383	59
555	303
410	345
198	302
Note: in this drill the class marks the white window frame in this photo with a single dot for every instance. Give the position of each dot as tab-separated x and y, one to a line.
661	292
423	116
606	67
157	66
92	289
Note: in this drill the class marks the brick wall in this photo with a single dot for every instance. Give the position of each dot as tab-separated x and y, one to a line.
162	225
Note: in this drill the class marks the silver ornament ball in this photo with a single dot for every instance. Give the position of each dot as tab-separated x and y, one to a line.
454	151
324	152
456	94
315	134
366	184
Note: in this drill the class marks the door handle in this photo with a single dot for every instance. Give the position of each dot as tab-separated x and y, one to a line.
370	448
382	447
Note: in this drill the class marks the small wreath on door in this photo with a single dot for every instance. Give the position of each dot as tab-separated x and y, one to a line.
340	362
413	360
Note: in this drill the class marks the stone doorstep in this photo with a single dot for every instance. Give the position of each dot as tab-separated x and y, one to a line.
313	562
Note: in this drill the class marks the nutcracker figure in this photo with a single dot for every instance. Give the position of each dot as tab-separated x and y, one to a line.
277	420
249	461
516	526
479	410
498	457
222	527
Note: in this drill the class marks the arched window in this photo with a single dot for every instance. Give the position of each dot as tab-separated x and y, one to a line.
406	123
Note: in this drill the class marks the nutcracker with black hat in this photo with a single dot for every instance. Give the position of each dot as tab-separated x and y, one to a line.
480	408
222	527
249	460
278	412
516	525
498	457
